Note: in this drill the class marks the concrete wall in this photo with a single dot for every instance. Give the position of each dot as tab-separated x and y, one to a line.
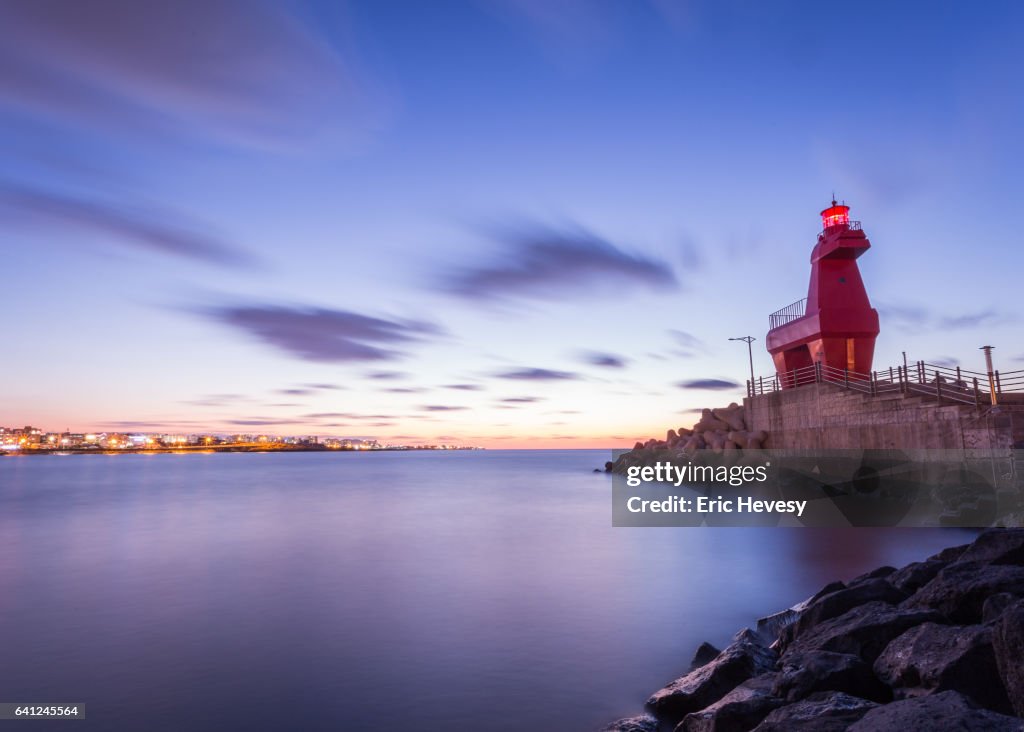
826	416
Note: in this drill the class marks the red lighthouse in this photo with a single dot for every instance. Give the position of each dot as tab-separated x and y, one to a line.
836	325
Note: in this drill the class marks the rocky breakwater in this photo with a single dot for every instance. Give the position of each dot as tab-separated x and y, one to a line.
718	430
935	645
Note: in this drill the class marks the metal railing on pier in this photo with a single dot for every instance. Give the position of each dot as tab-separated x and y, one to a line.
944	384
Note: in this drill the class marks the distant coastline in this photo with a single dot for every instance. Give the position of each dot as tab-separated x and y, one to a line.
207	449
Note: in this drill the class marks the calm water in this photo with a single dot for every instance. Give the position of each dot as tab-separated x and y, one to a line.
386	591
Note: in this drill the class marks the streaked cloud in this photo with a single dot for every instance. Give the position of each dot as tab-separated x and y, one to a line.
541	263
156	424
685	345
709	384
572	34
249	71
216	400
607	360
388	375
970	320
904	317
323	334
536	374
130	226
690	255
916	318
349	416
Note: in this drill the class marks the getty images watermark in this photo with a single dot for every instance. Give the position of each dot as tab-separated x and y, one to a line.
832	488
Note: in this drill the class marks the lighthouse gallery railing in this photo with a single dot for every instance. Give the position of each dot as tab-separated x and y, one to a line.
787	314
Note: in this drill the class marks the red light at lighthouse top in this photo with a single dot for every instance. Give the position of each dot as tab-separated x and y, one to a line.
835	215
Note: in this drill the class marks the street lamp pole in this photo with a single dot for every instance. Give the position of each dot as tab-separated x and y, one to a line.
991	373
750	352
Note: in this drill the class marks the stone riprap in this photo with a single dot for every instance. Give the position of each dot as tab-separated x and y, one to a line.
937	644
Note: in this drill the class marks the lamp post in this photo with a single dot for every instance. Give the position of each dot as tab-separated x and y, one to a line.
750	352
991	373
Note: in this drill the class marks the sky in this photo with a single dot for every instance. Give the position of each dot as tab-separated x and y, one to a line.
505	223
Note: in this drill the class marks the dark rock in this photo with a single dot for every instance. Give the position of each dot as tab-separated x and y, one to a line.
1008	643
950	553
914	576
705	654
609	466
803	674
932	658
994	606
835	604
959	591
948	710
773	625
741	708
770	626
826	590
644	723
826	712
996	546
863	631
880	573
744	658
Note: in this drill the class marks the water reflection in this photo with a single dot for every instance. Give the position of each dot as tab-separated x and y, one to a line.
481	590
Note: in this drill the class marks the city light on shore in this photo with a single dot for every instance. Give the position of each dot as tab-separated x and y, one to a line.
30	439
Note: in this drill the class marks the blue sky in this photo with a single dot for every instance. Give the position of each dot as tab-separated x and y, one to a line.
504	222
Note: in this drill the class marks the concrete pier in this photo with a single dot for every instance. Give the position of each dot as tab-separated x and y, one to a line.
822	416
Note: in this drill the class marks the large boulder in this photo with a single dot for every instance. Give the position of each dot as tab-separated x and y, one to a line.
741	708
710	423
732	416
995	606
803	674
705	654
747	656
863	631
932	658
740	438
879	573
715	440
959	591
1008	644
950	553
948	710
826	590
831	711
996	546
644	723
770	626
836	603
914	576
